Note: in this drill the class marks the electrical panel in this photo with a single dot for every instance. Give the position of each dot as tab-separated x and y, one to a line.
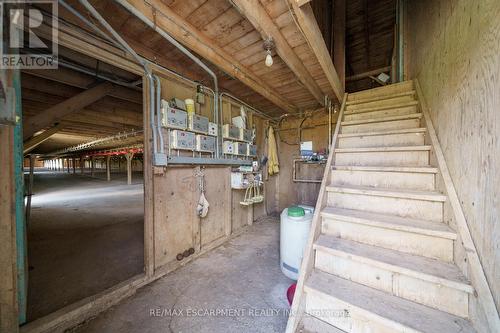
178	104
173	118
240	148
252	150
212	129
205	143
246	135
182	140
227	147
230	132
197	123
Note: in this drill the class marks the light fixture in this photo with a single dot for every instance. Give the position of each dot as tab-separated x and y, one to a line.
268	46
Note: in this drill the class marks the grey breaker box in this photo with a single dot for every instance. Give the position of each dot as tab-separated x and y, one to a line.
205	143
240	148
252	150
173	118
246	135
198	123
230	132
182	140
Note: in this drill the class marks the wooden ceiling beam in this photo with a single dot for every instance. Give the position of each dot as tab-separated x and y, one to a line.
170	22
304	17
75	103
40	138
83	81
263	23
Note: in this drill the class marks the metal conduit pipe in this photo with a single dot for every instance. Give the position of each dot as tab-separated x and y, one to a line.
184	50
158	113
158	159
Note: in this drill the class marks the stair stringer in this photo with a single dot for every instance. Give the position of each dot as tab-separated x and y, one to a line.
298	305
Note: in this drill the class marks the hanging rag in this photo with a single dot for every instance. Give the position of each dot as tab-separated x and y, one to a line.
202	208
273	165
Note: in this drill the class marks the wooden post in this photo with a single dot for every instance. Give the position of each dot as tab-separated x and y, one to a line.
73	162
129	157
67	164
108	168
91	166
339	12
82	164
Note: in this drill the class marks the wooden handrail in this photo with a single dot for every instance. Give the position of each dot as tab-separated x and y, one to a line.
297	309
478	278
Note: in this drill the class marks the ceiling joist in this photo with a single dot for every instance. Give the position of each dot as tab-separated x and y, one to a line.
262	22
169	21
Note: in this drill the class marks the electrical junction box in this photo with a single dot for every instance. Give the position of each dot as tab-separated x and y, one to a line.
178	104
251	150
205	143
227	147
173	118
238	180
230	132
198	123
212	129
182	140
240	148
246	135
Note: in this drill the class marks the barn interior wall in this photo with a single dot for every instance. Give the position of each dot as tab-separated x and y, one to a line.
453	49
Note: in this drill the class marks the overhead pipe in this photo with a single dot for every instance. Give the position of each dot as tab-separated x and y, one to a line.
173	41
158	157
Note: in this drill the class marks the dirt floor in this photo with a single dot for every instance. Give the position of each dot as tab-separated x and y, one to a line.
237	287
85	235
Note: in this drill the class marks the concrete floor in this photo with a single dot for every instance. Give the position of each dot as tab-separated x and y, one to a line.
85	235
241	279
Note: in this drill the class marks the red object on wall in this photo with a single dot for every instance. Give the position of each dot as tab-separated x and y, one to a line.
290	293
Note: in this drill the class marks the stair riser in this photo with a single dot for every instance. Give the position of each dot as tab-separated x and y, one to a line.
326	307
382	91
403	241
381	103
418	209
381	113
428	293
380	179
387	140
381	126
383	158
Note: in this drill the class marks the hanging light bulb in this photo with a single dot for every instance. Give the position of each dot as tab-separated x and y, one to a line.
268	46
269	59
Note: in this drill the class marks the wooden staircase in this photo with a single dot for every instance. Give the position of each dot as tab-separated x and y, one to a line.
380	257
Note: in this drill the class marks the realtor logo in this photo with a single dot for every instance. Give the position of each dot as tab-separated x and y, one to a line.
29	32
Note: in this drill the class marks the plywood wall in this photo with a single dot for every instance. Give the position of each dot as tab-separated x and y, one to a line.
455	53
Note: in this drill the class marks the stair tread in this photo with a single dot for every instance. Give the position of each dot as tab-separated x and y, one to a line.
313	324
399	131
410	264
383	148
381	98
415	169
381	108
388	192
383	305
381	119
391	222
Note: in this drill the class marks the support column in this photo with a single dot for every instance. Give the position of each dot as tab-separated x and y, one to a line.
67	164
108	168
91	166
82	164
129	157
73	163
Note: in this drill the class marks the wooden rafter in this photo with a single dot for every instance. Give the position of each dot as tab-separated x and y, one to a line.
304	17
75	103
170	22
262	22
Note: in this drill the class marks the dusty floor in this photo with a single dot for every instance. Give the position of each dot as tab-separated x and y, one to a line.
237	287
85	235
